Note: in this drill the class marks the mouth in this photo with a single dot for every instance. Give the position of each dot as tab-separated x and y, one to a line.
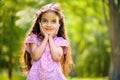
48	29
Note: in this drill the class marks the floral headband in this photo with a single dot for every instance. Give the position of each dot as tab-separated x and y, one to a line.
50	7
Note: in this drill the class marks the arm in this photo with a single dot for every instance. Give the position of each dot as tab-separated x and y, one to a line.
56	52
37	51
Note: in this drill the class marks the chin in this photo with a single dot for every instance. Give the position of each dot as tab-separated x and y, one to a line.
48	32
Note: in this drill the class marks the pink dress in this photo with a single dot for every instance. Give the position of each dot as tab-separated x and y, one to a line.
45	68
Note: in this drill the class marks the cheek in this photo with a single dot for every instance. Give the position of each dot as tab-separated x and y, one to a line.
42	26
57	27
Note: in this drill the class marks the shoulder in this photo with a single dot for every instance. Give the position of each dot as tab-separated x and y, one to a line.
60	41
32	38
59	38
32	35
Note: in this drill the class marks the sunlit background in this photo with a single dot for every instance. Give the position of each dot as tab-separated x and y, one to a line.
85	22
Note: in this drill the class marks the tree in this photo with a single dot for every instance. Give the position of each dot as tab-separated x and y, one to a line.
114	31
10	35
89	38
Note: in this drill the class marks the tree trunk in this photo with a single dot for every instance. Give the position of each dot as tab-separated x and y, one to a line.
114	29
12	20
10	68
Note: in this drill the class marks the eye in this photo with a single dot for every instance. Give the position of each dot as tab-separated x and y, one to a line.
44	20
54	21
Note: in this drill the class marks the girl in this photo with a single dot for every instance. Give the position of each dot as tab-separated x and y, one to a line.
47	50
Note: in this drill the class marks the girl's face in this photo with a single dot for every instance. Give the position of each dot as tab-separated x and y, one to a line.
50	22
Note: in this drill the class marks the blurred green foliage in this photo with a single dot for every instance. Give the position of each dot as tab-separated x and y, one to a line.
85	24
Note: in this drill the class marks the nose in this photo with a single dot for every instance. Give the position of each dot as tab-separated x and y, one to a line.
49	24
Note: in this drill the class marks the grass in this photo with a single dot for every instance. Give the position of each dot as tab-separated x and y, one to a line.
105	78
19	76
16	76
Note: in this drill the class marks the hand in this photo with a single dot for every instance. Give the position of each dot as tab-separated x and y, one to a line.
53	34
43	32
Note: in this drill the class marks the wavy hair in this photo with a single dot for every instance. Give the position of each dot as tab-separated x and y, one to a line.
66	61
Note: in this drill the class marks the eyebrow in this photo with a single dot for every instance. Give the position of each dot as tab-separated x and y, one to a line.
43	18
47	19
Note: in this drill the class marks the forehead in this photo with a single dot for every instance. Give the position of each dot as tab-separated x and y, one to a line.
50	15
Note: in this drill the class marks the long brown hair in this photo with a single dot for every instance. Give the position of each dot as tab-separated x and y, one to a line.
66	61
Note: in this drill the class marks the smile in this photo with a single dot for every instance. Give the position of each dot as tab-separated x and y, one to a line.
48	29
